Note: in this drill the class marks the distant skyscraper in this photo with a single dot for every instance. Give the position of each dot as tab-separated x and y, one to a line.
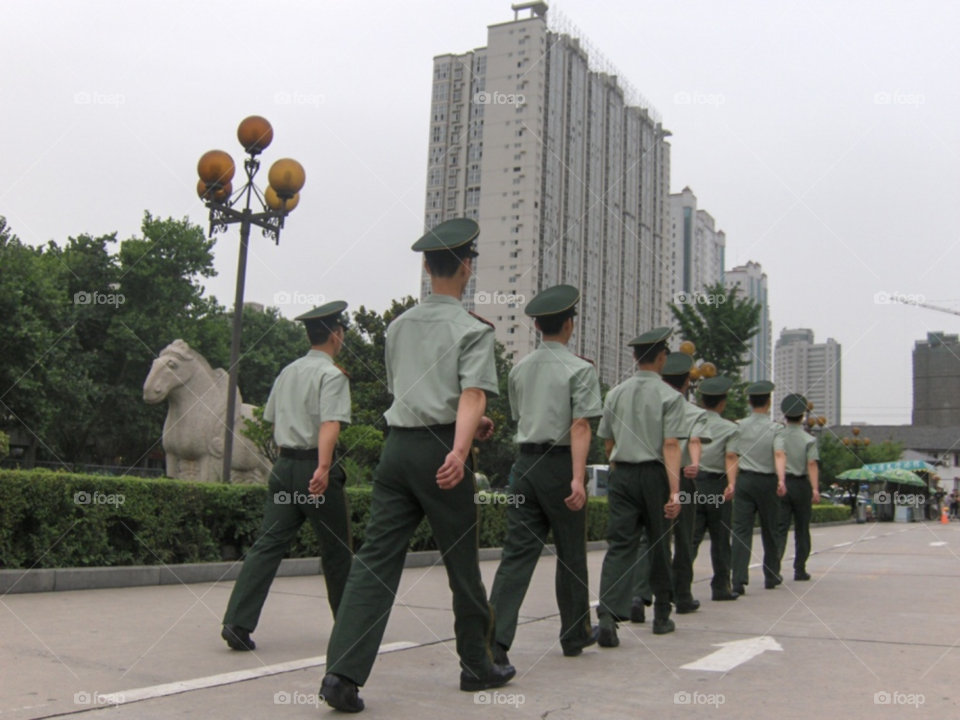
811	369
696	248
936	380
566	169
751	281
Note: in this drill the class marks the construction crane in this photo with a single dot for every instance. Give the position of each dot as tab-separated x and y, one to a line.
902	299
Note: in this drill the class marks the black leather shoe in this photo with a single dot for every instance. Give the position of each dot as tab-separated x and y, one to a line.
662	627
685	607
497	676
607	636
238	638
592	640
801	575
739	590
725	594
340	693
771	584
637	614
500	654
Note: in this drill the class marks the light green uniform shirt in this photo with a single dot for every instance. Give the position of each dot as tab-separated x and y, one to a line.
696	428
639	414
435	351
760	438
309	391
725	435
800	447
549	389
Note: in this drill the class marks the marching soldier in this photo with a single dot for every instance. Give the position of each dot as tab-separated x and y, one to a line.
803	483
676	373
716	482
440	369
553	393
308	402
643	419
762	467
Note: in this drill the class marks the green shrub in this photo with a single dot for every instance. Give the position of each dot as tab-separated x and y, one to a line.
830	513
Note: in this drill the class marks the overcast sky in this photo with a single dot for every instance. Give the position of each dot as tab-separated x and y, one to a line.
823	137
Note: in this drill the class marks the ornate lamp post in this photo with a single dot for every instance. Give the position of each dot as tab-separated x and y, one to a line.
286	178
699	372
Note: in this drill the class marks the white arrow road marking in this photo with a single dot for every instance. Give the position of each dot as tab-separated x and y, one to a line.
734	653
175	688
937	544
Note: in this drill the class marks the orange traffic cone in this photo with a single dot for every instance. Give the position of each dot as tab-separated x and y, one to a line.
944	516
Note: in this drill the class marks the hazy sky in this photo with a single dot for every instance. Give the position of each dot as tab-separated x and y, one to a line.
824	138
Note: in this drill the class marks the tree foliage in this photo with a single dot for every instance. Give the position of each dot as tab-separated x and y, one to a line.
836	458
722	332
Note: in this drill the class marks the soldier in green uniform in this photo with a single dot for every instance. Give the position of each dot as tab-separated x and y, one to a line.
553	393
762	467
643	419
676	373
440	369
308	402
715	484
803	483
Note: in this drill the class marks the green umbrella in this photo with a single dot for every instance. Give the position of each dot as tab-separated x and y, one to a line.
904	477
860	474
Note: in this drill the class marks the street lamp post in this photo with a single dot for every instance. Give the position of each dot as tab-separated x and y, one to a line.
215	188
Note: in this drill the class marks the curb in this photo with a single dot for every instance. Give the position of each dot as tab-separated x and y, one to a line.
15	582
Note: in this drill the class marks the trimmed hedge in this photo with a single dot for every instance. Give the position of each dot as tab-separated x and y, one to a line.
163	521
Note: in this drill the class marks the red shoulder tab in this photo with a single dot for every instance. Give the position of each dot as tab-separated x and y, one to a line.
483	320
343	371
587	359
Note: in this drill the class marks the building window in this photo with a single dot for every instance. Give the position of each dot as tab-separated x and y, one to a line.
436	177
439	134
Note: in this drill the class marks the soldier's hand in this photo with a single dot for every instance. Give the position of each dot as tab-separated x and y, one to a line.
484	429
691	471
816	496
728	492
578	496
451	472
781	488
318	483
671	509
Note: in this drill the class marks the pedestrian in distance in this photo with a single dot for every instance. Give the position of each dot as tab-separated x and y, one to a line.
802	481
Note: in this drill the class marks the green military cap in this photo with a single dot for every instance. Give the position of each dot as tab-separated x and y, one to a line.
794	405
450	235
661	334
553	300
677	364
719	385
329	311
764	387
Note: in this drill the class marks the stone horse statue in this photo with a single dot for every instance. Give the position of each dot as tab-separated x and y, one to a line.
194	428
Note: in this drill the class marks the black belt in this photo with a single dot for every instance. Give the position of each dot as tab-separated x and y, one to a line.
707	475
298	453
543	448
426	428
797	477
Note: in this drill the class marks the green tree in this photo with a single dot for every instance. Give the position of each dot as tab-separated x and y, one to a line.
836	457
722	332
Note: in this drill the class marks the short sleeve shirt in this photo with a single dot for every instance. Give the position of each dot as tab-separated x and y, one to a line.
697	419
309	391
639	414
801	448
760	438
549	389
434	352
725	435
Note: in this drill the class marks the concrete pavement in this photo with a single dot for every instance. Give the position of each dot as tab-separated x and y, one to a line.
878	617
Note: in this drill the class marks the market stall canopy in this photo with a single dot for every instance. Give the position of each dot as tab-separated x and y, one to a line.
913	465
859	474
904	477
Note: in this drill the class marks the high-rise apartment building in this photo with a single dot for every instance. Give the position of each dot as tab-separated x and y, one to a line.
936	380
566	169
809	368
751	282
696	247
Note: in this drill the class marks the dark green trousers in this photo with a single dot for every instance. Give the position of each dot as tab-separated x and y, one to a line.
796	505
755	494
287	506
683	554
543	481
637	495
641	572
404	490
714	517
